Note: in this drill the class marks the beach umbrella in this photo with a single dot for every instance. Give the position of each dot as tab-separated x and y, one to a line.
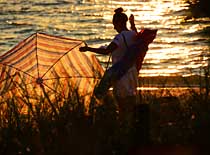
46	66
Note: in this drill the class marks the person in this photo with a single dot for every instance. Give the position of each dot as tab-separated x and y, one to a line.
124	89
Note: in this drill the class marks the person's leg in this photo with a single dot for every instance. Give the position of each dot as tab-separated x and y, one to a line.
126	119
126	107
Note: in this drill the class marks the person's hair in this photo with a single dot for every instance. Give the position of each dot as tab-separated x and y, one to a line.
119	16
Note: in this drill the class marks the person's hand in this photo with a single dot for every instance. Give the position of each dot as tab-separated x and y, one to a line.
83	49
131	19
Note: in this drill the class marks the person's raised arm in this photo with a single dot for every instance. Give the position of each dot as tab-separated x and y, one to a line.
111	47
132	23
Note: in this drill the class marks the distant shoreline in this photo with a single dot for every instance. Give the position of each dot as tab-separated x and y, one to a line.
175	86
174	81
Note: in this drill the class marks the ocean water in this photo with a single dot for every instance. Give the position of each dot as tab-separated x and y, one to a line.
182	47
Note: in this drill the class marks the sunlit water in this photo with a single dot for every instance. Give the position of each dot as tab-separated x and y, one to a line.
181	47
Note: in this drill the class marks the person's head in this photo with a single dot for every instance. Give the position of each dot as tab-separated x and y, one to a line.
119	20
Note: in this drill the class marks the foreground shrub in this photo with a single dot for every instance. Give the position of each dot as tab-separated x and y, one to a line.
161	118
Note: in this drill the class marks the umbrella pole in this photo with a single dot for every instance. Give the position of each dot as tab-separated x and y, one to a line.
48	99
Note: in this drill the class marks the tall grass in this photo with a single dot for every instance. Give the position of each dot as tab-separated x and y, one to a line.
62	125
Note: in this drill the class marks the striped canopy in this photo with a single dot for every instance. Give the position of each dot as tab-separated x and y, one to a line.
46	65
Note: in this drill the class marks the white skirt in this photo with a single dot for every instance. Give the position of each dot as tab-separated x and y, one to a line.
127	85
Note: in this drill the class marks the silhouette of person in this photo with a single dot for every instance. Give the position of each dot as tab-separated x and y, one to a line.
124	89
